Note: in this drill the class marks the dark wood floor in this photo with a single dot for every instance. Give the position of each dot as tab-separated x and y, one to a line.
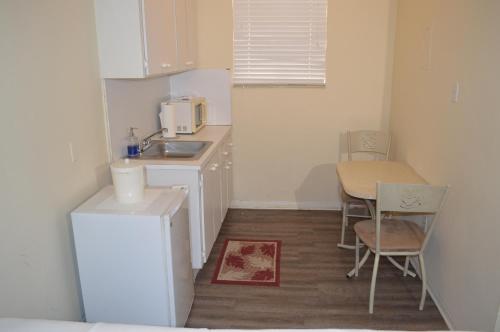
314	291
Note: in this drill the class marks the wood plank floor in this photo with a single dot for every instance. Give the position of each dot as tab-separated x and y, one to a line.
314	291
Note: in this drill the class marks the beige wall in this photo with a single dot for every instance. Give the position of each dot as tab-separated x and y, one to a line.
133	103
454	144
49	96
287	139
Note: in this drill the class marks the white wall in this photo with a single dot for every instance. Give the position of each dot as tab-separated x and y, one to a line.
287	139
454	143
49	96
134	103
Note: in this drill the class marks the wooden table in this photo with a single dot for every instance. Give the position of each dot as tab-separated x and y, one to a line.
359	179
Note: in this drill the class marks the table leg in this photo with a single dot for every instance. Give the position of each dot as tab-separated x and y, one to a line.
372	214
371	208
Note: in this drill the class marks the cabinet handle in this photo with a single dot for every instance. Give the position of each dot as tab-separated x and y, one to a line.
166	65
213	169
225	153
228	167
189	63
230	163
215	165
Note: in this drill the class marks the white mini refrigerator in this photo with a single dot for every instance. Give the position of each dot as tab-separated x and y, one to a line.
134	260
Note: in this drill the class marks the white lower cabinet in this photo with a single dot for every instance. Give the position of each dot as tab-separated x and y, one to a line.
211	202
210	193
227	174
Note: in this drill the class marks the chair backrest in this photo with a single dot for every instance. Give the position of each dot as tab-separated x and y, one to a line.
374	142
409	198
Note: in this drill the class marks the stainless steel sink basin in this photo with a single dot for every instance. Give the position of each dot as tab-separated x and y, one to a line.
175	150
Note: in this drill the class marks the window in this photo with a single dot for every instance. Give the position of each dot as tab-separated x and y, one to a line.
279	42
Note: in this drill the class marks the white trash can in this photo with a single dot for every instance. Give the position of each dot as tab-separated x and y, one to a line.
128	180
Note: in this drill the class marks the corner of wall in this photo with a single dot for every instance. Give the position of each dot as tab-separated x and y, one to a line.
444	314
107	132
389	65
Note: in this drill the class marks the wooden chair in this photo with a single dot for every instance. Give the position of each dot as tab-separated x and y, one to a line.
376	145
396	237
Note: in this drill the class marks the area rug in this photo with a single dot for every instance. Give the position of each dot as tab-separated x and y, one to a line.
249	262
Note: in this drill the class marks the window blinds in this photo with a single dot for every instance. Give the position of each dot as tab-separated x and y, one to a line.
279	42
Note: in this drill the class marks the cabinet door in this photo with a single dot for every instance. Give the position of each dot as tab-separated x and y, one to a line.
212	203
226	167
216	189
209	234
227	176
182	270
160	38
191	20
230	172
186	33
224	198
217	193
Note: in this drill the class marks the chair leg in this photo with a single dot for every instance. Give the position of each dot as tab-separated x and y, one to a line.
424	281
374	281
361	263
407	262
344	222
356	267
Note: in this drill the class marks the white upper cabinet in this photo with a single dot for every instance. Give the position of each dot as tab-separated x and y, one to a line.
160	39
191	59
143	38
186	33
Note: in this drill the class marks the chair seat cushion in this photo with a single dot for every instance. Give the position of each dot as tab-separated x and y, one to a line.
395	235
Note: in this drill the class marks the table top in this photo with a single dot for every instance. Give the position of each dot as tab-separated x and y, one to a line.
359	178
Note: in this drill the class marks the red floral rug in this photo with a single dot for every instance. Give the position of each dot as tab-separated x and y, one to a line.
249	262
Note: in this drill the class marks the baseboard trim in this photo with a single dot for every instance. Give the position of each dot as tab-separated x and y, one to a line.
285	205
414	264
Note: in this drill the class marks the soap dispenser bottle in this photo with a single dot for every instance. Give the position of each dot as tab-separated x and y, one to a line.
133	149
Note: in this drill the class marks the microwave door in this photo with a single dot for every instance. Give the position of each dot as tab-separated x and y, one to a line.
198	114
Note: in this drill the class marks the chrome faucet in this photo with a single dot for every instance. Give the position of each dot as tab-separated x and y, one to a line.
146	142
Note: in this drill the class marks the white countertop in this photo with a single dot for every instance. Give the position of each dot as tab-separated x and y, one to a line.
214	134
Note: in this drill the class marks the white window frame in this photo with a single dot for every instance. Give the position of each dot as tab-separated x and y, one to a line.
279	42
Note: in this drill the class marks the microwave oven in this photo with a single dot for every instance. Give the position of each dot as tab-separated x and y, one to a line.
190	114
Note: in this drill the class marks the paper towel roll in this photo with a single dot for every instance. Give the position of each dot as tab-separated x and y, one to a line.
167	119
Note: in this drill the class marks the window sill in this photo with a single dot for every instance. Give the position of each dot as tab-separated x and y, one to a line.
269	85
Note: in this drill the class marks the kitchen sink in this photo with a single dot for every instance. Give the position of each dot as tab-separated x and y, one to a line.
175	150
